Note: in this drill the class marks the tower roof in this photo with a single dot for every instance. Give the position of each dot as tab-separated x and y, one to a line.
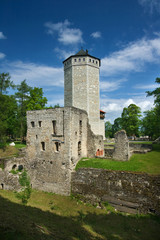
82	53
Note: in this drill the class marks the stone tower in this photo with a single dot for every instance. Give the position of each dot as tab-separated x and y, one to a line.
81	86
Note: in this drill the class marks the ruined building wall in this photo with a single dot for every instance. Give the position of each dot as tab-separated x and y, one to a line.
56	140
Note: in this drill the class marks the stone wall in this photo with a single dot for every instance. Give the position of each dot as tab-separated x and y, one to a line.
121	152
56	140
126	191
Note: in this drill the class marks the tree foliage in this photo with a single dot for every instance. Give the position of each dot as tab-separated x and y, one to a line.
151	121
13	108
108	130
5	82
36	100
130	120
117	125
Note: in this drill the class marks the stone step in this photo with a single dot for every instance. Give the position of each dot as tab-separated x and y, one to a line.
121	205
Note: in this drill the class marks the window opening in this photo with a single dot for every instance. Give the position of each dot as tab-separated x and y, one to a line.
80	127
20	167
32	124
54	127
89	60
79	59
43	146
2	186
75	60
79	148
40	123
14	166
83	59
57	144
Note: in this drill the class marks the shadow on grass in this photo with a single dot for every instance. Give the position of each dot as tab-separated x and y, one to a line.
19	222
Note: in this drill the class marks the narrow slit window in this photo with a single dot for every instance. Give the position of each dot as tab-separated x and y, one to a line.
80	127
83	59
54	127
79	59
32	124
79	148
40	123
57	146
43	146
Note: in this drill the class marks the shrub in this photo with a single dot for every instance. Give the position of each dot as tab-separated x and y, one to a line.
26	189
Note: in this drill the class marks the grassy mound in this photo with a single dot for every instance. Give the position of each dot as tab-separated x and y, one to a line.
148	163
11	151
49	216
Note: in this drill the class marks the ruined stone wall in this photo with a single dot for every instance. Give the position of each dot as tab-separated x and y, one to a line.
126	191
56	140
121	150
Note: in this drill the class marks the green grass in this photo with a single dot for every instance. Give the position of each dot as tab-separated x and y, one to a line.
148	163
11	151
49	216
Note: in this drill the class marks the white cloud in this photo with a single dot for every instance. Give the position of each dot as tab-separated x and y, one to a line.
63	54
66	34
36	75
150	5
114	107
147	87
2	55
111	85
2	36
96	34
133	57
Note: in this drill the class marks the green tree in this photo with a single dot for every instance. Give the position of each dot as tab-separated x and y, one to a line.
23	96
156	122
155	93
8	118
117	125
36	100
108	130
131	120
149	123
5	82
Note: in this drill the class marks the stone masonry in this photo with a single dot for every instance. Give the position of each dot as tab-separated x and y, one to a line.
56	140
121	151
81	87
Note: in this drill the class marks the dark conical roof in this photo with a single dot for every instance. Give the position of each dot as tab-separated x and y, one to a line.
82	53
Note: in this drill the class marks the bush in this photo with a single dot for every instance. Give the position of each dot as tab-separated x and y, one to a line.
26	190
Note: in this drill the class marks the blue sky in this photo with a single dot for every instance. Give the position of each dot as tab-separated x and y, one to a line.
37	35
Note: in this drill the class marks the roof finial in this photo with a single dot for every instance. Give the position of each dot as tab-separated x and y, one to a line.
87	51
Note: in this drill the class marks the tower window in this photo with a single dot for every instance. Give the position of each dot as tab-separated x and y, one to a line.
93	61
40	123
43	146
54	127
89	60
79	59
57	146
32	124
79	148
80	127
83	59
96	62
75	60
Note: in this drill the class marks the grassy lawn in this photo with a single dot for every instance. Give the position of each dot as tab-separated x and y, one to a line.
11	151
148	163
48	216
